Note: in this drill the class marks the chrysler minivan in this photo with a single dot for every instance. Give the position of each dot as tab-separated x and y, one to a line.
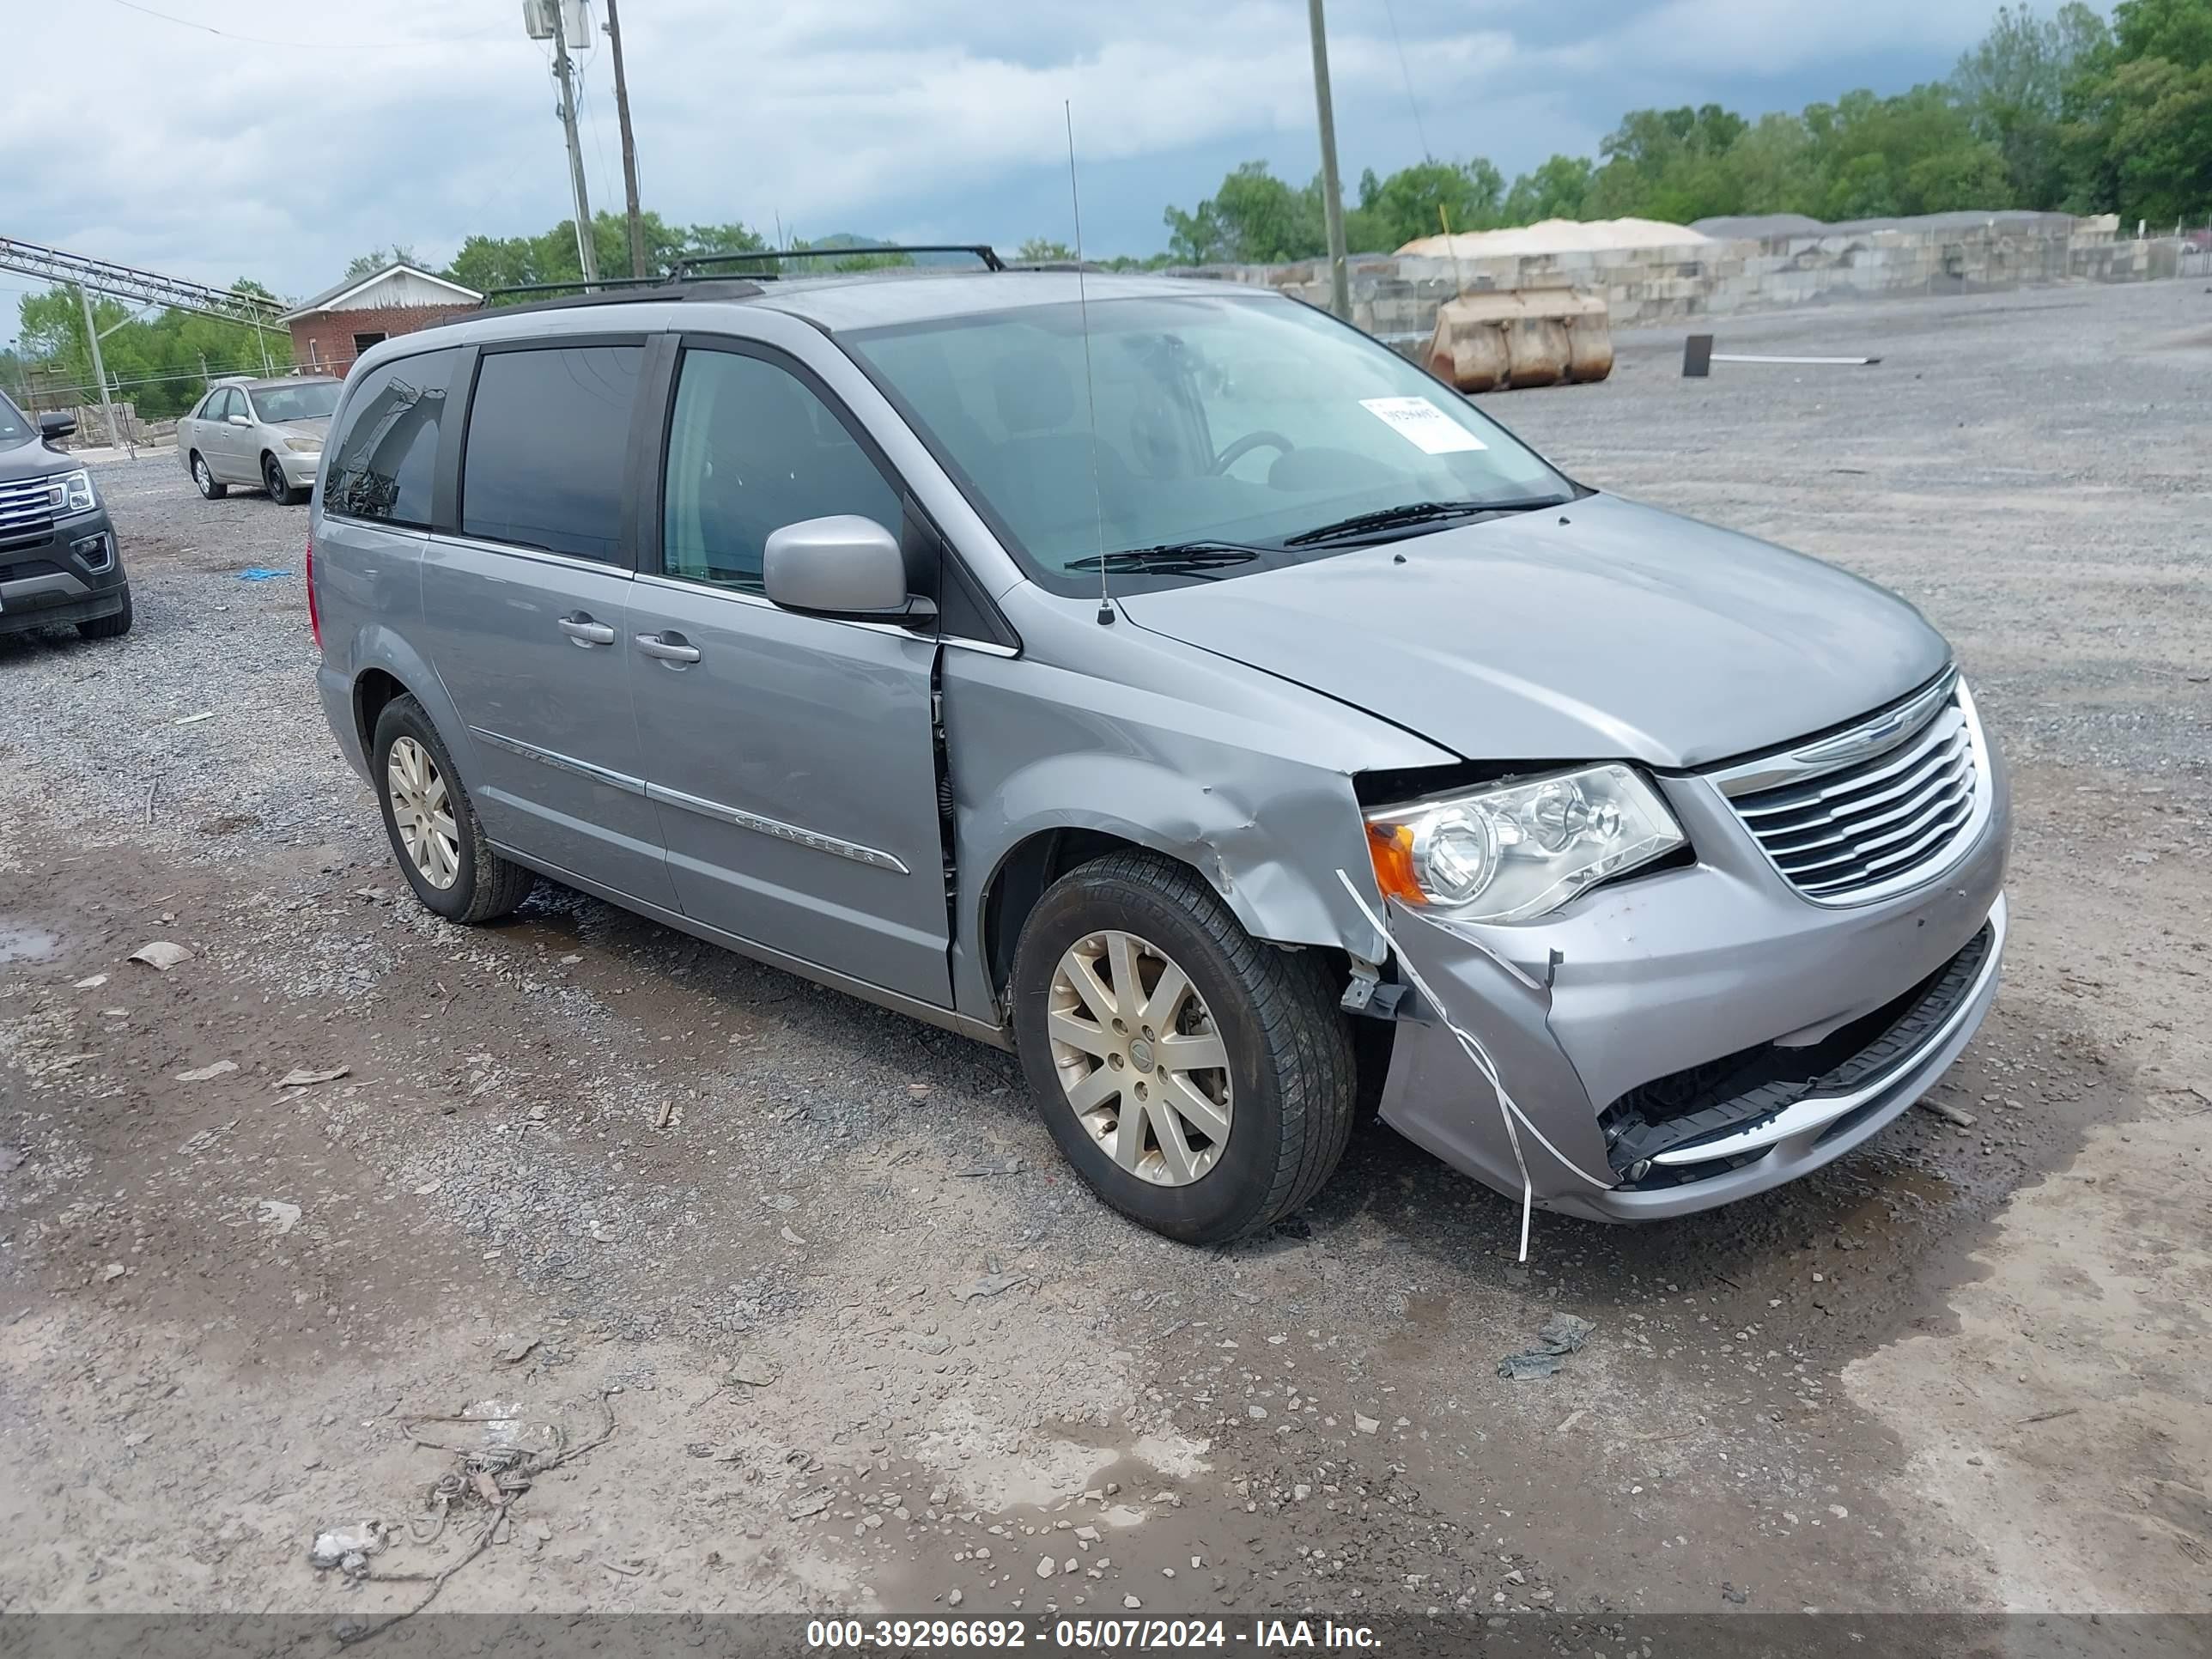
1170	683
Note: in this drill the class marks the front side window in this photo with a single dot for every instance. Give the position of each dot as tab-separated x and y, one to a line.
387	453
219	404
751	449
548	432
1237	419
310	400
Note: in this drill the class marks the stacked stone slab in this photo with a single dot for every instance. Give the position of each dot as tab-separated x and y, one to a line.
1397	298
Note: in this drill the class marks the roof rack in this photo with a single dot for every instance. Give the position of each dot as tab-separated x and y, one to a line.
981	251
608	290
678	281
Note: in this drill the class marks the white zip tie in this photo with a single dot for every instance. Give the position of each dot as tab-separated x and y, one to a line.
1507	1110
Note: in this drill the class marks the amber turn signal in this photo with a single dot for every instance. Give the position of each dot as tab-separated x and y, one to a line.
1390	847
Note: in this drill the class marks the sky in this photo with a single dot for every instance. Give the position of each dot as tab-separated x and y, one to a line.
303	134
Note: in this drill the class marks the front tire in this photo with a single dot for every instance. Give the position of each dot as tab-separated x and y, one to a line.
204	476
273	480
108	628
1201	1082
433	827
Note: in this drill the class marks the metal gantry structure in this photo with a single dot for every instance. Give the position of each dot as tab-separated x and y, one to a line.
137	288
140	288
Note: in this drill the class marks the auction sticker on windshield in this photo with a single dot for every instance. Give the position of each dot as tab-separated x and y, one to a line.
1422	424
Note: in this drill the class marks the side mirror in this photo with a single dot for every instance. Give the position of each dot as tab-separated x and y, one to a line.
841	566
54	425
240	420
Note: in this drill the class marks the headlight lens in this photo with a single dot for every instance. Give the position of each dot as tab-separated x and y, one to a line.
72	492
304	446
1520	850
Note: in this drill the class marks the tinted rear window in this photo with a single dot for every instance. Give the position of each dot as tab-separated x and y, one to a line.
388	450
547	431
310	400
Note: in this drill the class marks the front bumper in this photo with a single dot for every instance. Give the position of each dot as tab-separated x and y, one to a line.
70	572
1659	975
298	469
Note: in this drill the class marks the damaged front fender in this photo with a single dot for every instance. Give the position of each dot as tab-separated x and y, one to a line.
1245	778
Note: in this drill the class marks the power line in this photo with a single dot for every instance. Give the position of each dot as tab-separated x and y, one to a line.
300	46
1413	103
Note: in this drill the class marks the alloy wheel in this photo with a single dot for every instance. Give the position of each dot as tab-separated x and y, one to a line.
1142	1062
420	808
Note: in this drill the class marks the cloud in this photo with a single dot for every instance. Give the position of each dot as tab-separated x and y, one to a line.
420	121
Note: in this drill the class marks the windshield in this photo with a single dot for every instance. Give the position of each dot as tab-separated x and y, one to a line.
310	400
1243	420
14	428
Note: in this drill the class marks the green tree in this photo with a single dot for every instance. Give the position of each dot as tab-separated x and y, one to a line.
2013	87
2138	136
369	264
1556	190
1668	164
1254	218
1415	201
487	264
155	363
1040	251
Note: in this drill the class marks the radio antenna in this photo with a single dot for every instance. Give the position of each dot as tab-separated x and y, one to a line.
1089	397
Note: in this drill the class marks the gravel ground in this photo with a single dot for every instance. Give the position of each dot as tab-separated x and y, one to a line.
867	1345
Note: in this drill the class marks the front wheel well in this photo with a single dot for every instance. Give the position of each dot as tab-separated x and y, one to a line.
1042	859
1020	881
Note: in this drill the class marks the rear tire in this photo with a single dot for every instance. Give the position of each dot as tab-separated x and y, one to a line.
432	824
204	476
1285	1094
273	480
108	628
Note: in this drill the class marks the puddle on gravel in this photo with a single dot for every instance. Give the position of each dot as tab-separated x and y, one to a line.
20	942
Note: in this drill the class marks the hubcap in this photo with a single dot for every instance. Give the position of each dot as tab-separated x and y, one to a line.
1141	1060
424	815
201	475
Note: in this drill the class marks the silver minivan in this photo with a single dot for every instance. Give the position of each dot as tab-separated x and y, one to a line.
1170	683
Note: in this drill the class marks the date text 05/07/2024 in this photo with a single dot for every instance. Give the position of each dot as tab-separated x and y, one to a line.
1103	1635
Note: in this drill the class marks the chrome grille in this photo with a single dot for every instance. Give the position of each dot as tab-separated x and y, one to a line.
26	504
1872	810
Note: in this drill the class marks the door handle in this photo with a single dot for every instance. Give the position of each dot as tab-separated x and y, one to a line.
579	626
669	647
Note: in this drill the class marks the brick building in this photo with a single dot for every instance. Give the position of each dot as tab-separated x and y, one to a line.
335	327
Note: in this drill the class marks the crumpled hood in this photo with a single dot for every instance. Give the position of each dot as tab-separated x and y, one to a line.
1601	629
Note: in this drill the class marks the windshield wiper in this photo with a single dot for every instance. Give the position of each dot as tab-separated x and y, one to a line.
1413	512
1171	558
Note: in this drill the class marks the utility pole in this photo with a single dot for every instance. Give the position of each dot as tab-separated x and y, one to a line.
628	144
98	368
587	255
1332	189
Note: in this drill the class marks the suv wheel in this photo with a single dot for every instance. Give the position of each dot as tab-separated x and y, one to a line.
1201	1082
273	481
433	827
205	479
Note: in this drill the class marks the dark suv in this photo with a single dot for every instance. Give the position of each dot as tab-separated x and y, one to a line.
58	560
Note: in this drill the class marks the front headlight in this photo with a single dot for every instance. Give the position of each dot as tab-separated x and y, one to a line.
72	492
1519	850
304	446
